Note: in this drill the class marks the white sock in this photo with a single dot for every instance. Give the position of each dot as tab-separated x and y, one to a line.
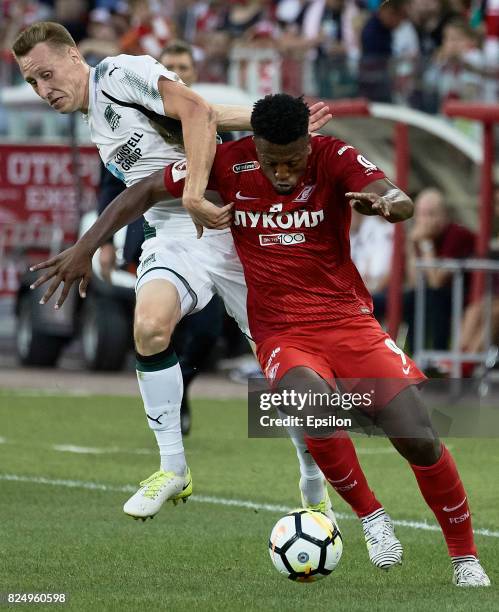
312	479
161	392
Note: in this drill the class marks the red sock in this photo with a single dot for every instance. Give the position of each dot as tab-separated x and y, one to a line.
443	491
338	461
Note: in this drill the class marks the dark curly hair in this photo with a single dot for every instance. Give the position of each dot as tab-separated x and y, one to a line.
280	118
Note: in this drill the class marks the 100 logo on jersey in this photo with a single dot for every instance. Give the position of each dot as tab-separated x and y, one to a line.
283	239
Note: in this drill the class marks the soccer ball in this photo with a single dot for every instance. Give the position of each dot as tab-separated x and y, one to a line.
305	545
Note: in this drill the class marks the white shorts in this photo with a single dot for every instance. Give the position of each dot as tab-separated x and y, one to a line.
198	269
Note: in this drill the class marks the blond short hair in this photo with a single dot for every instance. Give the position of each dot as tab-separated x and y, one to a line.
49	32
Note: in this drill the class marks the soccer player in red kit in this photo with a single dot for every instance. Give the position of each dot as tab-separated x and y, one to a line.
309	311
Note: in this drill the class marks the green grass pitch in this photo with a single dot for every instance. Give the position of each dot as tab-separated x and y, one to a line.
59	534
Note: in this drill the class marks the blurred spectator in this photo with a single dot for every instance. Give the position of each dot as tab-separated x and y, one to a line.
150	29
199	20
406	61
375	70
371	242
473	330
188	16
455	70
461	7
102	39
120	17
371	247
320	39
298	42
178	57
318	43
430	17
202	24
433	236
72	15
491	49
241	16
15	15
476	13
335	25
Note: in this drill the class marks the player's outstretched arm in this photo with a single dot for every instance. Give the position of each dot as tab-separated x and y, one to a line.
199	130
231	117
382	198
238	117
75	263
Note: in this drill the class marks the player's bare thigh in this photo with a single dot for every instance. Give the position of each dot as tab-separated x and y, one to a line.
157	313
406	422
307	382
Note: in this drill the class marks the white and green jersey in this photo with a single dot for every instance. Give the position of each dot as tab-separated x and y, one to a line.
128	125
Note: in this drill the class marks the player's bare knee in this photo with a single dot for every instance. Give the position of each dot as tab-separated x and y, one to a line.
152	333
420	451
299	388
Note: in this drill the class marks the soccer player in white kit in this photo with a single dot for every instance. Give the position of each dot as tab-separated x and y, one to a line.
131	104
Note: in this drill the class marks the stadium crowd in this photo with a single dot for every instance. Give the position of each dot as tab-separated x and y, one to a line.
415	52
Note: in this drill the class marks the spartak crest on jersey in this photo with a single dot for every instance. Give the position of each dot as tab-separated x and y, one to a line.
304	194
179	170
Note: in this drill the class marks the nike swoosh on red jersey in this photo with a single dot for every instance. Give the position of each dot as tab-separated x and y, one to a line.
445	509
241	197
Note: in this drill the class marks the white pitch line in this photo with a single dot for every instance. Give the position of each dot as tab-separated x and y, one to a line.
110	450
94	450
72	484
46	393
217	501
80	450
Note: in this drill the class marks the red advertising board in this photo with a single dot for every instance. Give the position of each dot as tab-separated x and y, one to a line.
41	186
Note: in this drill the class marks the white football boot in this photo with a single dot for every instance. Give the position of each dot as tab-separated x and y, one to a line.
469	573
155	491
384	549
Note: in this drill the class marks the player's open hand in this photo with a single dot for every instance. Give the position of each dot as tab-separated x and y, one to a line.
319	116
370	203
73	264
206	214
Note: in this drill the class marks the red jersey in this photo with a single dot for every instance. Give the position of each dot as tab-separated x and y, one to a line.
295	249
455	241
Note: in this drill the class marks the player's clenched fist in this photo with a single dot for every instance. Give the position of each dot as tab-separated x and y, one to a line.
205	214
73	264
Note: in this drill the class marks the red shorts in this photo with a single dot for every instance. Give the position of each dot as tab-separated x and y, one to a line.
357	351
